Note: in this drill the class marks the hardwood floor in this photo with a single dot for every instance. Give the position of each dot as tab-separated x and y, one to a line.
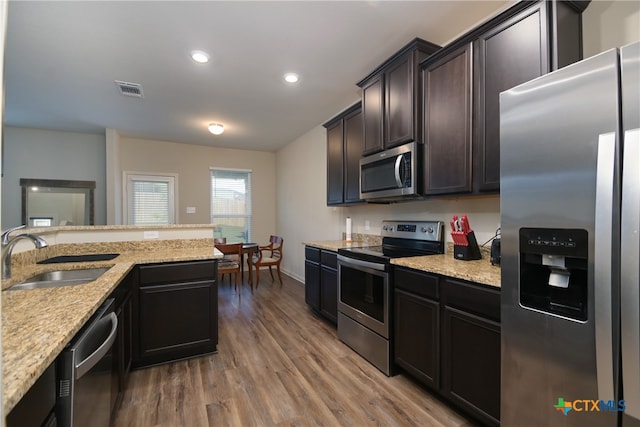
278	364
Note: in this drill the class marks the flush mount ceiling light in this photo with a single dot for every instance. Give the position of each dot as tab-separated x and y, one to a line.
216	128
200	57
291	77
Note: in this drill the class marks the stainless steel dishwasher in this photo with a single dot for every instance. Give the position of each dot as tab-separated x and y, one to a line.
84	370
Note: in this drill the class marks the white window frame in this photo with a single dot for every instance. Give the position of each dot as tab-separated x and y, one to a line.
249	216
171	179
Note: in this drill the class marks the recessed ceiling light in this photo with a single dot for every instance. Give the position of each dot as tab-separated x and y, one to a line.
200	57
291	77
216	128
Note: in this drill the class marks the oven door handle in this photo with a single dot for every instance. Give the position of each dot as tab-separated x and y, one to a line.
359	263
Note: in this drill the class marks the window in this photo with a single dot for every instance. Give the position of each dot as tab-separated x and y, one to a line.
150	199
231	204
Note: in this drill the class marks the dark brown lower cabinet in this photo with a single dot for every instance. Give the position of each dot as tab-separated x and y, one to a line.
321	281
447	336
177	312
329	285
312	277
36	408
471	364
417	337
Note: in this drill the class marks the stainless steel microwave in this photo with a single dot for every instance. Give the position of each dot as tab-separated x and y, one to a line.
391	174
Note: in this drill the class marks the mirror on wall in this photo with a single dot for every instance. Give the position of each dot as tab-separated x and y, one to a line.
53	202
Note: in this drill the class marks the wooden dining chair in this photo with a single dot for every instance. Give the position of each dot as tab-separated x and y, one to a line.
220	241
268	256
230	264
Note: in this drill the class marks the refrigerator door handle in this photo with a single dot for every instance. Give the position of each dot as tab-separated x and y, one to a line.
630	272
603	268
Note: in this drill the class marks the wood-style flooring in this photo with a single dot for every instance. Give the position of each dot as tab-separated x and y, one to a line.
278	364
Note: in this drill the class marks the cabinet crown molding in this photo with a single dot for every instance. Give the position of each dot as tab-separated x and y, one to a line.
415	45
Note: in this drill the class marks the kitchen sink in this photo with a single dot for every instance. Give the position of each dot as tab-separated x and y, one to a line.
79	258
60	278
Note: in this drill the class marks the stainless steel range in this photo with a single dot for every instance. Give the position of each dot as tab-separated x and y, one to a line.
365	290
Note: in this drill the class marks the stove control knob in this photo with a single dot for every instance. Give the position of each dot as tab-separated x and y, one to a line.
387	227
427	229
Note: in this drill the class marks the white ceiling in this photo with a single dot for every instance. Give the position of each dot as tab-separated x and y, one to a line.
62	58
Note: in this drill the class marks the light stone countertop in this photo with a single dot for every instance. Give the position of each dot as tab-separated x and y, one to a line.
37	324
334	245
478	271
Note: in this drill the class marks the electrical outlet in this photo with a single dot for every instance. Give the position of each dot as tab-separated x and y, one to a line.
367	224
191	209
151	234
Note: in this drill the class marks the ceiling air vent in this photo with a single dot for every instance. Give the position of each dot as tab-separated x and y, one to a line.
129	89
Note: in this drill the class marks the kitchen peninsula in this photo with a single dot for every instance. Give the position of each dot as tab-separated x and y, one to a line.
38	323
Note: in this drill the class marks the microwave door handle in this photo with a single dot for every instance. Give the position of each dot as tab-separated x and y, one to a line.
397	170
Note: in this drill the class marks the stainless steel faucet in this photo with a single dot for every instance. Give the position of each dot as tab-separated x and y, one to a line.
9	243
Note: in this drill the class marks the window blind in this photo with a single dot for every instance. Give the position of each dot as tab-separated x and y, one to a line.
150	200
231	204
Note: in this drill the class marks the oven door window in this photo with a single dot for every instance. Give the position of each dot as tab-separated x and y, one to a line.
363	291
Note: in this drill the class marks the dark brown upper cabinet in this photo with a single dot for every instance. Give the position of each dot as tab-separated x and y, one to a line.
372	120
509	54
462	84
344	149
391	99
542	38
335	163
447	97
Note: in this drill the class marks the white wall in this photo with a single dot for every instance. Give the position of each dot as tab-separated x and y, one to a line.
302	211
609	24
47	154
192	164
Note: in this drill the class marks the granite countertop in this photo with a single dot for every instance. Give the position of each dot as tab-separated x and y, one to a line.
38	323
358	241
334	245
479	271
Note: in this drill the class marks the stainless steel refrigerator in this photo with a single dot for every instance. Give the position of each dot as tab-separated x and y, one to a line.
570	216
